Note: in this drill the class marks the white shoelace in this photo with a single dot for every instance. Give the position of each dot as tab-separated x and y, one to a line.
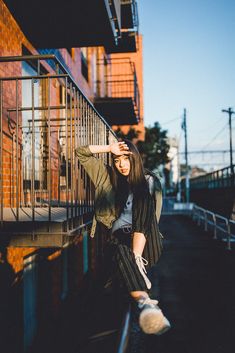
141	263
148	301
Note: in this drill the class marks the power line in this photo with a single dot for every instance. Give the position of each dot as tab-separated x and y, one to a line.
214	138
208	128
172	120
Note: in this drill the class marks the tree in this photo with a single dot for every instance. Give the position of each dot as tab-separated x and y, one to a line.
154	149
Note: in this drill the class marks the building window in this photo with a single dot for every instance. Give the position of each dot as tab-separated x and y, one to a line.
84	63
30	100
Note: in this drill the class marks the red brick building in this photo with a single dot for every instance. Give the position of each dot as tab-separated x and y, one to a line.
50	101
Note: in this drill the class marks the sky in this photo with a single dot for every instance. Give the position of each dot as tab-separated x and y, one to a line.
189	62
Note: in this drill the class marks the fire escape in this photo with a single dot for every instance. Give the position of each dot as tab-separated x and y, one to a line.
45	195
117	93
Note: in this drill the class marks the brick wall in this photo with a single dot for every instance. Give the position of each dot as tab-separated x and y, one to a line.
12	43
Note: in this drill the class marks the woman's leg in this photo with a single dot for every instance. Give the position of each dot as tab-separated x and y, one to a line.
138	243
124	248
151	318
128	272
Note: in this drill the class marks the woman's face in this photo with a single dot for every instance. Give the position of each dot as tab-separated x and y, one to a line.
122	163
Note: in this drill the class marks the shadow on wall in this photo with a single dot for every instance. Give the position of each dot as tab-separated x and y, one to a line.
9	322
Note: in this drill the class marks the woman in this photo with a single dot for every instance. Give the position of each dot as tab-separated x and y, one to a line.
125	204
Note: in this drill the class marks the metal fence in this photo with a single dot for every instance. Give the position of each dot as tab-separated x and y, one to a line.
222	178
43	117
222	228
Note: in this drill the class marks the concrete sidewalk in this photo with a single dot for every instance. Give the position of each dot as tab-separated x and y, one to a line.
194	281
196	277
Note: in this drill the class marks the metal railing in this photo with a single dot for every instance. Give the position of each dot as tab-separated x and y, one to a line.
218	224
43	117
124	332
222	178
118	79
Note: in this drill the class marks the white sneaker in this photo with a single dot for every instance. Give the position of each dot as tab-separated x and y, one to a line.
141	263
152	320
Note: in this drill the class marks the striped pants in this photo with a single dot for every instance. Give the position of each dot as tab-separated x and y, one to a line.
121	259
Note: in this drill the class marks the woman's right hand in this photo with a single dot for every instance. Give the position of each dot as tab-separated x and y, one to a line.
119	148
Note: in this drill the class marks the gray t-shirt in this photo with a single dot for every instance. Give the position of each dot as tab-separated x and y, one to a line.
125	218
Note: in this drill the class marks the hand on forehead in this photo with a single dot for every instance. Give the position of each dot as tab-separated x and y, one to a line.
119	148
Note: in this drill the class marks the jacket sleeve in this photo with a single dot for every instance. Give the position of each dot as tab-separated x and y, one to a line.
95	168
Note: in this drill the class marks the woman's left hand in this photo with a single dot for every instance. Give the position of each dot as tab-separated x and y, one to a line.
119	148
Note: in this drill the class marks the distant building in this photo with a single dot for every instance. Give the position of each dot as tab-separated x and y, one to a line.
171	169
196	171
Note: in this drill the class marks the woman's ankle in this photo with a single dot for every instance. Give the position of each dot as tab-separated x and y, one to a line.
138	295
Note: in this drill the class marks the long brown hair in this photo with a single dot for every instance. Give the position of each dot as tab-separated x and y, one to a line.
134	182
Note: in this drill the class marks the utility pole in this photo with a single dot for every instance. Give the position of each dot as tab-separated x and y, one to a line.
230	112
179	176
184	127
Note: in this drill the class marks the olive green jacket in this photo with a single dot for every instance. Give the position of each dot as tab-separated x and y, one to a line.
104	194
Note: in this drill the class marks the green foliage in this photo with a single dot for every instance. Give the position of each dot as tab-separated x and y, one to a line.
155	148
131	134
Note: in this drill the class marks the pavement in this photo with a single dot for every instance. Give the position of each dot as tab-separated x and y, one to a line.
194	282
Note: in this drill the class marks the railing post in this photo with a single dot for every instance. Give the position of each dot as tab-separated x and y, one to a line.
67	151
17	152
199	218
33	153
228	236
71	149
49	148
215	226
193	213
76	113
205	224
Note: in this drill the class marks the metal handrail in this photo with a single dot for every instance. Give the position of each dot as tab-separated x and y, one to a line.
124	334
219	178
53	57
135	16
58	180
217	221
